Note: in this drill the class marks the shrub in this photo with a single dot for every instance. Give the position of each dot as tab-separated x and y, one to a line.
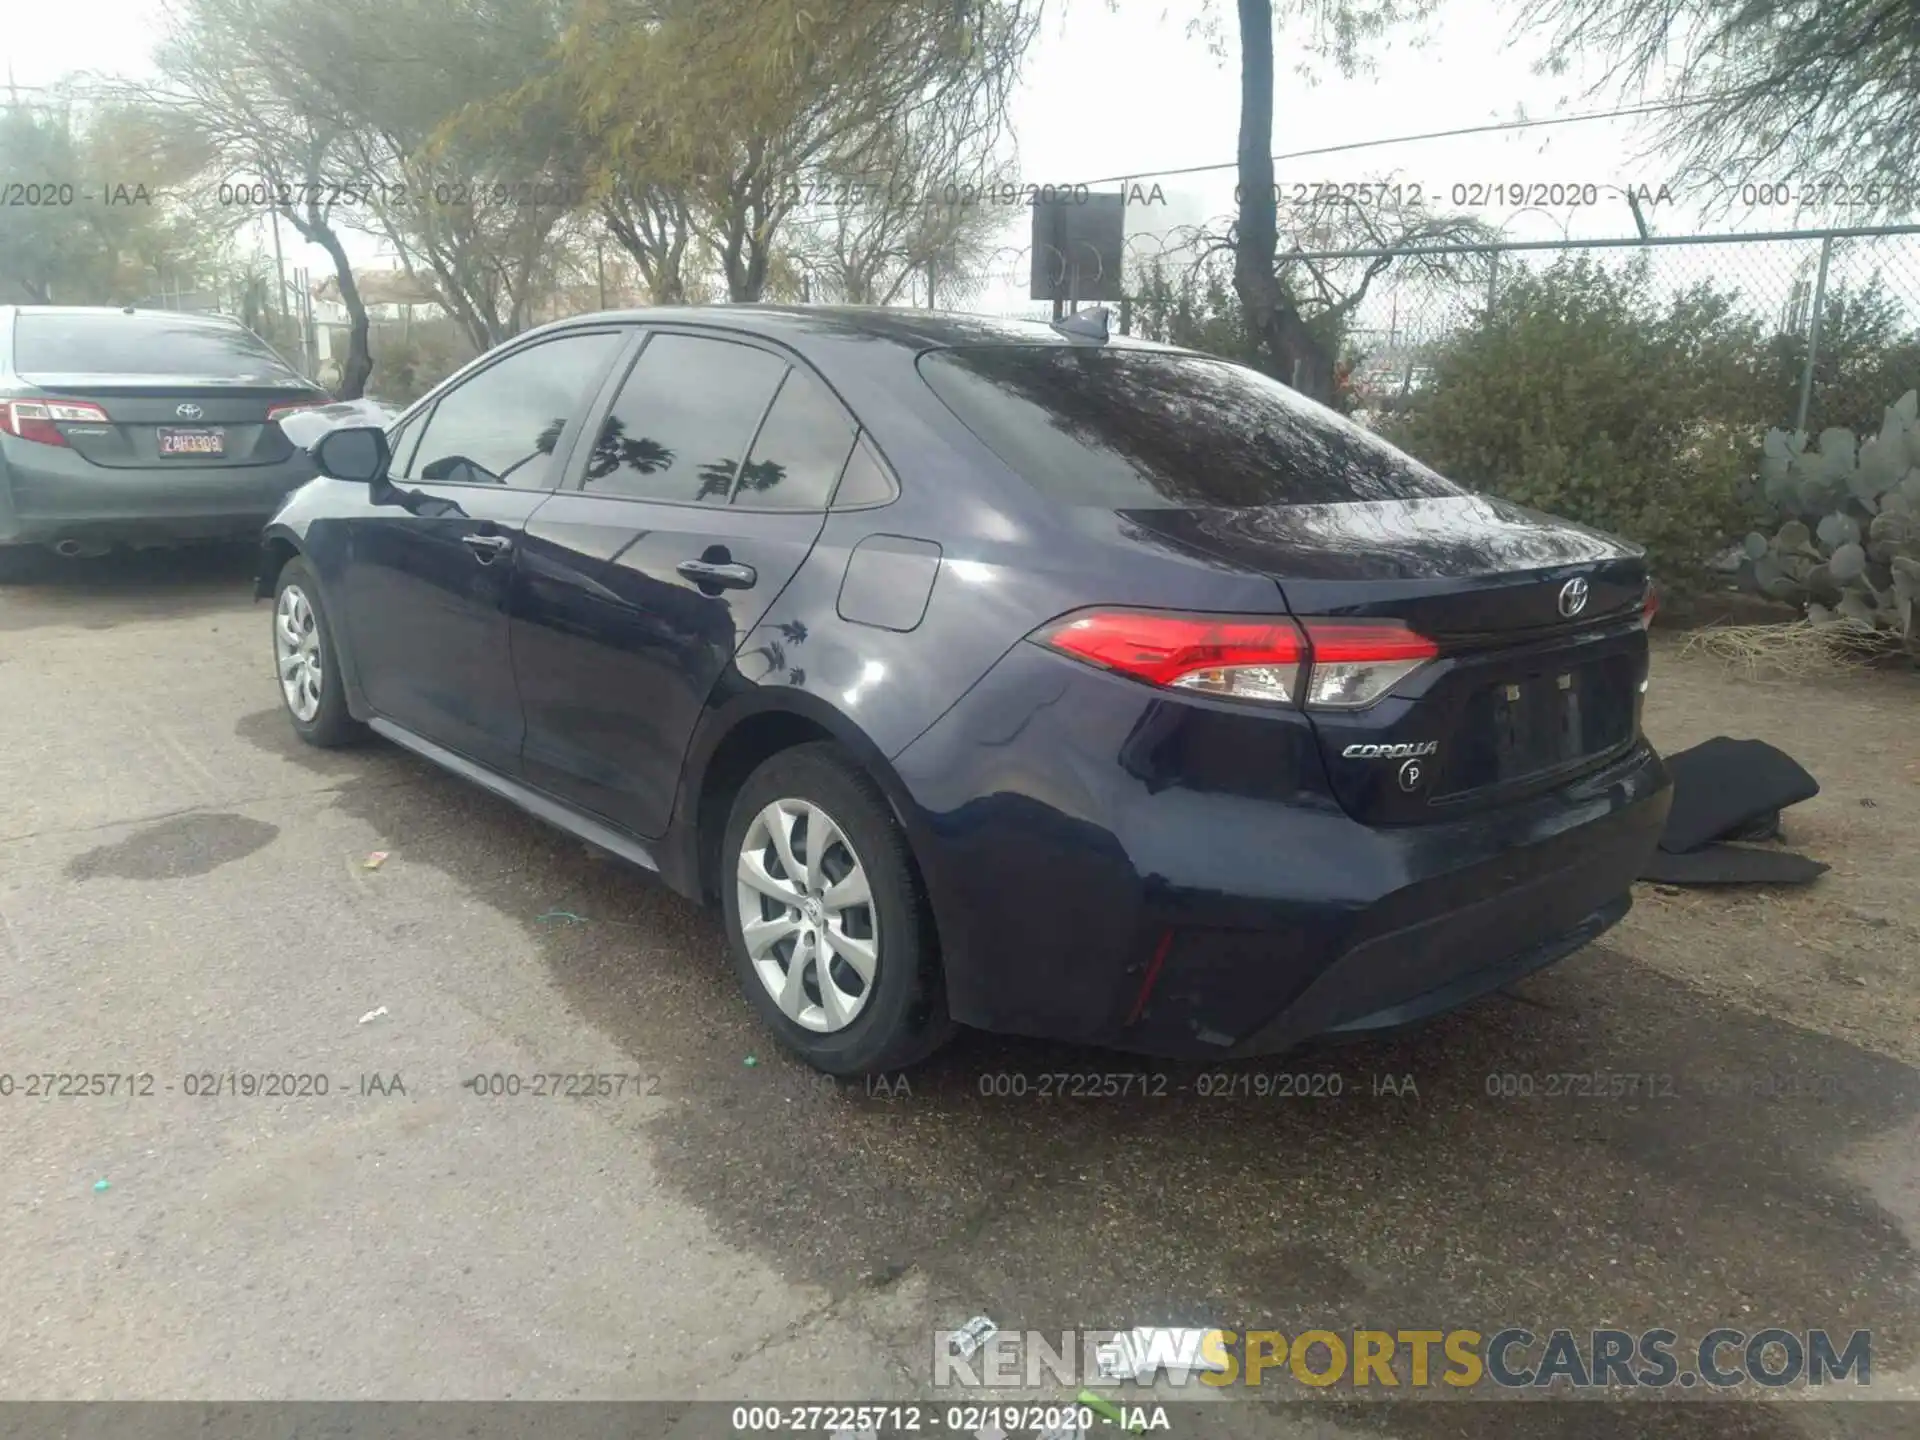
1588	397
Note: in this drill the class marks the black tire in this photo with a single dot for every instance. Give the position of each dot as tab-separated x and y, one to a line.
904	1015
330	726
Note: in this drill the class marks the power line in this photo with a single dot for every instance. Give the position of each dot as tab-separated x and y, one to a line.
1652	107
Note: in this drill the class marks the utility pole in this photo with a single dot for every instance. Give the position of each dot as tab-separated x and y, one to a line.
279	269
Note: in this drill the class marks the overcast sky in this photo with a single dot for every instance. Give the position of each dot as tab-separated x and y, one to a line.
1132	92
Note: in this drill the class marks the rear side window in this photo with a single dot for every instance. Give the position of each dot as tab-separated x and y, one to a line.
1143	430
143	344
683	420
865	481
800	450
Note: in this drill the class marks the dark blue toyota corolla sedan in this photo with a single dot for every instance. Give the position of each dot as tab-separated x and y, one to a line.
1000	674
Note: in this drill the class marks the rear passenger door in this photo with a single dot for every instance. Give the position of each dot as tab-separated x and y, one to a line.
690	503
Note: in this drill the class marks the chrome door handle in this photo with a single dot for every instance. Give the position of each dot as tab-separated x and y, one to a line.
487	548
721	576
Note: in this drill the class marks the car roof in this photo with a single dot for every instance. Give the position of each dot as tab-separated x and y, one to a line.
809	327
137	311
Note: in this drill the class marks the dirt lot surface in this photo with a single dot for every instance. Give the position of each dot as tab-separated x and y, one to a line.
184	893
1841	956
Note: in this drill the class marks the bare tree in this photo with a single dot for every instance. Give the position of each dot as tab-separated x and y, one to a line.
888	214
1373	216
232	86
653	224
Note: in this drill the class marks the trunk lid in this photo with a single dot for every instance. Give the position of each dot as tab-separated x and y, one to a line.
1538	623
141	407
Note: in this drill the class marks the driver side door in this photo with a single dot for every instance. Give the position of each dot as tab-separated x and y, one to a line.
428	572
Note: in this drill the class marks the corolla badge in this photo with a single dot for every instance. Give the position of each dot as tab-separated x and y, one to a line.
1573	597
189	412
1410	750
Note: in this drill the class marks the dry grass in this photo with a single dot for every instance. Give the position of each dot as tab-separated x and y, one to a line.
1798	650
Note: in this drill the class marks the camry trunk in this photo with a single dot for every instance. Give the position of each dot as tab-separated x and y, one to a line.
1537	629
152	421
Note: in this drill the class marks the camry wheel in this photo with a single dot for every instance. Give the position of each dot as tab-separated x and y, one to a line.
830	932
304	661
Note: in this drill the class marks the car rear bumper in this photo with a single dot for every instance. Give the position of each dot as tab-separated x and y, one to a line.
46	499
1095	879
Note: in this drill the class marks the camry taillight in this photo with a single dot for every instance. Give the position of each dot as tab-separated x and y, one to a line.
40	420
276	412
1649	605
1324	664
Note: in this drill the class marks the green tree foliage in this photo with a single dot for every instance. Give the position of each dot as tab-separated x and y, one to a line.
1869	349
1819	94
1589	396
716	115
104	228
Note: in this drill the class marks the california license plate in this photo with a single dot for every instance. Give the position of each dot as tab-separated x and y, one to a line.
193	442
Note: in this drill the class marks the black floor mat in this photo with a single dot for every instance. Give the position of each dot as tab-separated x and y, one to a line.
1725	787
1732	865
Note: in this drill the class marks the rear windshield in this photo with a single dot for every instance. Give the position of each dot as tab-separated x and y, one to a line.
1145	430
142	344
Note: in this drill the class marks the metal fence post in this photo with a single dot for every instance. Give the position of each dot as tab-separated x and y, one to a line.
1813	334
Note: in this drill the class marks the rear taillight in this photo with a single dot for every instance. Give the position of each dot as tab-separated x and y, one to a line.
1355	662
1649	605
1215	655
1328	664
40	420
277	412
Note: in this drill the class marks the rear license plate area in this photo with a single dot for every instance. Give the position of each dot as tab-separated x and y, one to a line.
201	442
1530	725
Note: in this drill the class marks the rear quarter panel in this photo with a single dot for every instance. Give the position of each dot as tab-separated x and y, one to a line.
1008	561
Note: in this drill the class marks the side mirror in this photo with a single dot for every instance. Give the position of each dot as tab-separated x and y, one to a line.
358	453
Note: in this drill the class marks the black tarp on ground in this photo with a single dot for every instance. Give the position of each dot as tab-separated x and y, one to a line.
1727	789
1724	786
1732	865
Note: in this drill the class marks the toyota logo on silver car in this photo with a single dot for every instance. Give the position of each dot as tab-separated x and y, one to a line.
1573	597
189	412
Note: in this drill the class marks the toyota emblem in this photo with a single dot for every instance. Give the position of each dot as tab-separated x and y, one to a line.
1573	597
189	412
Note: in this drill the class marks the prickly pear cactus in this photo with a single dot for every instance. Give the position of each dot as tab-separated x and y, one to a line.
1849	547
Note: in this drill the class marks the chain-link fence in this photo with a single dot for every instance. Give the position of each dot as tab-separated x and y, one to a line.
1832	317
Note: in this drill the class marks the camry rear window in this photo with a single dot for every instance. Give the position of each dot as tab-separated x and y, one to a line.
144	344
1145	430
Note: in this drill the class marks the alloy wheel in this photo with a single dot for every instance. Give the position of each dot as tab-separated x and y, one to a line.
296	650
807	915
